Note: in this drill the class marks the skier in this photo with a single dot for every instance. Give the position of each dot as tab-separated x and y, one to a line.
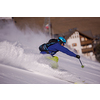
55	45
53	48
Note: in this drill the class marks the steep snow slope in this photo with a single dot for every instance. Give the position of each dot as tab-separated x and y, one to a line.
12	75
14	56
20	61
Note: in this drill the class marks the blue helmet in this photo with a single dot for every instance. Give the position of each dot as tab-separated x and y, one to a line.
61	40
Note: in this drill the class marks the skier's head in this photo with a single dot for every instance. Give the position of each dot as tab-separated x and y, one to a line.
61	40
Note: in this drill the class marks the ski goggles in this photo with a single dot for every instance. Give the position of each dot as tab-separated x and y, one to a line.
64	43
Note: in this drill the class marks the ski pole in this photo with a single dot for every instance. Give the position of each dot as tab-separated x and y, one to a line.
81	64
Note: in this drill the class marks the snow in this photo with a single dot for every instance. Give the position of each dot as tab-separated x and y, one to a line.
20	61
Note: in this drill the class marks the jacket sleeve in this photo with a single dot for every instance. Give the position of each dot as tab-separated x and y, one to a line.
65	50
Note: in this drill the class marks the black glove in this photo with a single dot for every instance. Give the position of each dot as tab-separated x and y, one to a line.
77	56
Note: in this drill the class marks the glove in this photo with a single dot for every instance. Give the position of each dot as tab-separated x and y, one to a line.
77	56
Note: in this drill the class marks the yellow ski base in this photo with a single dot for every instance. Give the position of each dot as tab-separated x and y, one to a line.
55	59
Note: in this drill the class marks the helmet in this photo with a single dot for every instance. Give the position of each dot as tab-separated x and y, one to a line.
61	40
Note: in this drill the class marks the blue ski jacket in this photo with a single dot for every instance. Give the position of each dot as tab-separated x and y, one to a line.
53	49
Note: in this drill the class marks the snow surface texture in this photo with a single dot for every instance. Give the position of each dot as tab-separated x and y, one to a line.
22	63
